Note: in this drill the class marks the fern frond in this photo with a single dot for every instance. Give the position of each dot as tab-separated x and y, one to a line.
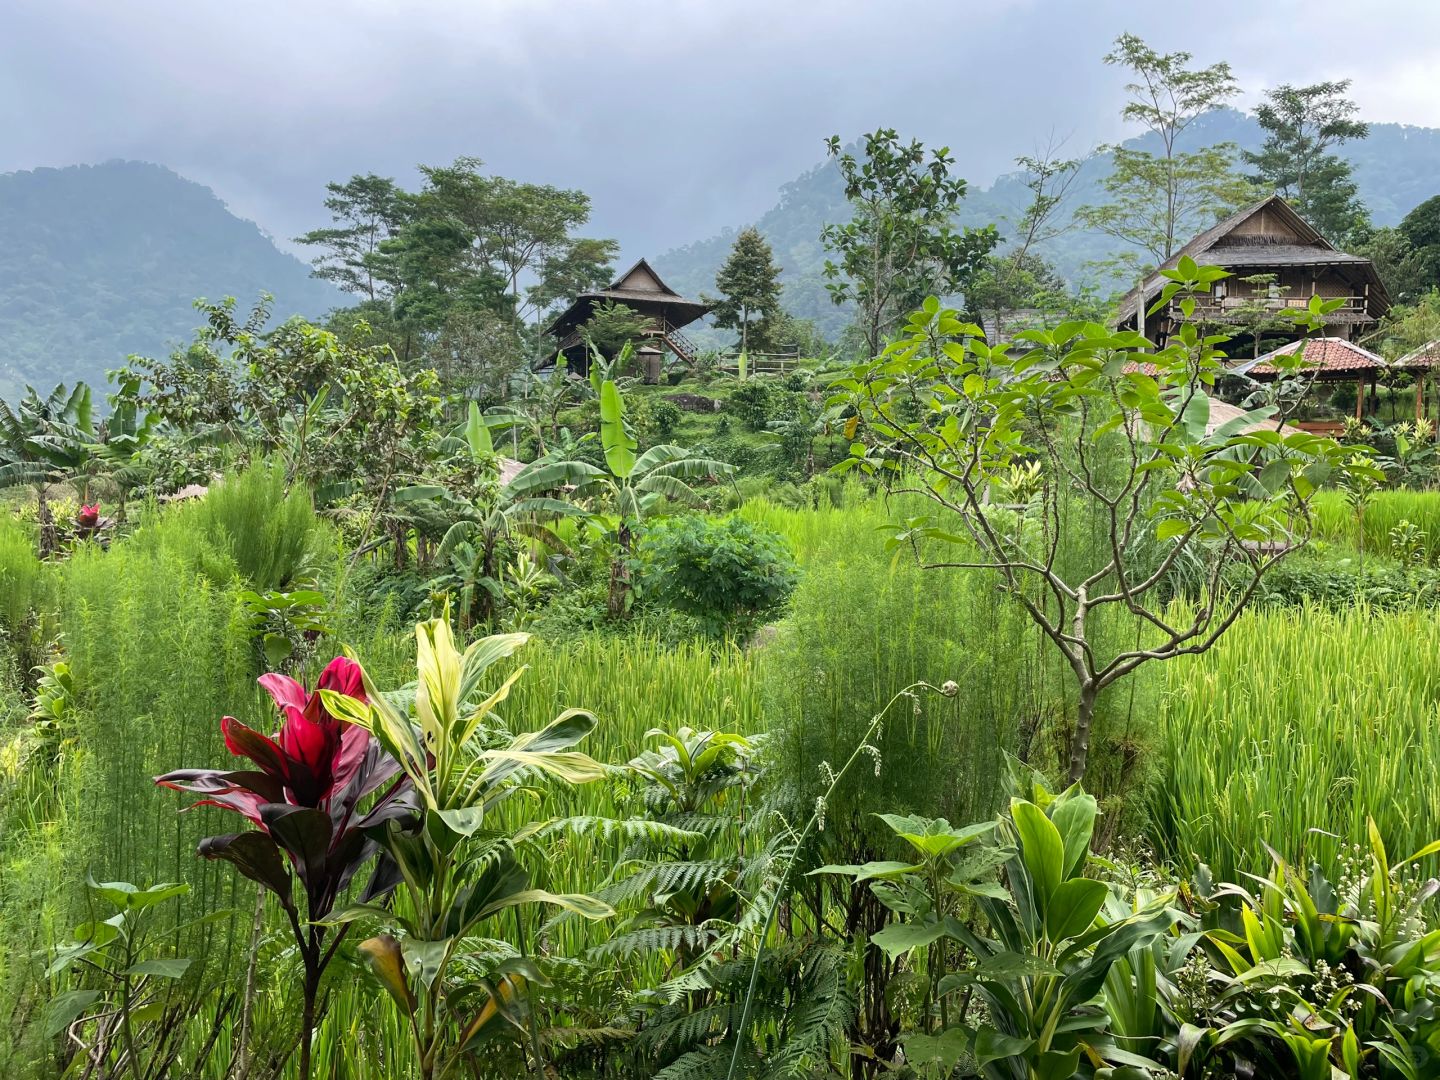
652	939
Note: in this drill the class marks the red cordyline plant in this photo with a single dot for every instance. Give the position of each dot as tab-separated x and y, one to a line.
303	796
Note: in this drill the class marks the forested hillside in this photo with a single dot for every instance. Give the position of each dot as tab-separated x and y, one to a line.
1397	167
99	261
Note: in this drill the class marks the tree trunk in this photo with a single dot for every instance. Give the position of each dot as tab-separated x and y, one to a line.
49	538
620	572
1080	741
307	1020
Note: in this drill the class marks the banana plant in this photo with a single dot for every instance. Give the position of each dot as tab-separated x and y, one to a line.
628	487
36	447
473	517
458	857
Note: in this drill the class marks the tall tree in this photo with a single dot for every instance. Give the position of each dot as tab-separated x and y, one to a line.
902	244
1302	124
521	231
367	210
749	285
1018	277
1421	229
1159	199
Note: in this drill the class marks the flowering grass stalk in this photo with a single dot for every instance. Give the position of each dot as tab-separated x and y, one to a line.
863	748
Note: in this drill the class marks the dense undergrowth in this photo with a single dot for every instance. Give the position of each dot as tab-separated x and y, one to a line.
1306	719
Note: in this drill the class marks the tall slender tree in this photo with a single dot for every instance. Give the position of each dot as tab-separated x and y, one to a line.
1302	124
367	211
749	285
901	245
1157	199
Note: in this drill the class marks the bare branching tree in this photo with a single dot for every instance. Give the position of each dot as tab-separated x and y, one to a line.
1006	444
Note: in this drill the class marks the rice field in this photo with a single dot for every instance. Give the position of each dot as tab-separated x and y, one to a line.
1336	522
1299	726
1294	730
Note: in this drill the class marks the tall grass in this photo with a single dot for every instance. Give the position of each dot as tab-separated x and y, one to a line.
158	652
272	533
865	623
24	584
1335	519
1294	730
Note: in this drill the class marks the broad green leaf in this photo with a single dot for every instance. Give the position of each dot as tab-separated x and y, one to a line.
1073	908
945	1049
933	837
161	968
1041	850
618	443
900	938
1073	814
992	1045
477	433
68	1007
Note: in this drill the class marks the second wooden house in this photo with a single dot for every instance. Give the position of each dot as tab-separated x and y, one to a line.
1277	261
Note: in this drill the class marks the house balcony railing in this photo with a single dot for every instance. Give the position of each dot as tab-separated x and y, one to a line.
1352	309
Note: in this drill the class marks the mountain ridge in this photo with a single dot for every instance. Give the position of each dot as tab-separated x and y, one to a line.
1396	168
104	260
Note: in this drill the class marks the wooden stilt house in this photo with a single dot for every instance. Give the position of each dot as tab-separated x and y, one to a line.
641	290
1267	240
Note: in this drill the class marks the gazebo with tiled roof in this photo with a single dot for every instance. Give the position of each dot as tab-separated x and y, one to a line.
1333	359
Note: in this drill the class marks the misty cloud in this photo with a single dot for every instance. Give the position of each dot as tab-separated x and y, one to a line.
678	118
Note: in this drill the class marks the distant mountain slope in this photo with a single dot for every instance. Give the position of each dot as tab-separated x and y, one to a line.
1397	168
100	261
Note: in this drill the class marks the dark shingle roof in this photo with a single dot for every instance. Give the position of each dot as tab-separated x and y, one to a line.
1207	248
1228	255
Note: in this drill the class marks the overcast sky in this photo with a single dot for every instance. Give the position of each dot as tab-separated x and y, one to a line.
679	117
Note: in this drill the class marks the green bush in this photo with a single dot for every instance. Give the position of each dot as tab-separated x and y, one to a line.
865	623
270	530
667	417
732	574
1335	581
752	401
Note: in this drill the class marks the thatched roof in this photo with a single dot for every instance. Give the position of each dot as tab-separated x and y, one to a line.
1222	412
509	469
1220	245
640	288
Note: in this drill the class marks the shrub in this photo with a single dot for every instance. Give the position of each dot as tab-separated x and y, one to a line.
732	574
667	417
1336	581
271	531
751	401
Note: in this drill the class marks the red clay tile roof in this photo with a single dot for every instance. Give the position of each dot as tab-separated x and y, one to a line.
1326	354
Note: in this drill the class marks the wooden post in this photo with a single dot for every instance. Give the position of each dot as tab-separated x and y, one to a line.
1419	394
1360	397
